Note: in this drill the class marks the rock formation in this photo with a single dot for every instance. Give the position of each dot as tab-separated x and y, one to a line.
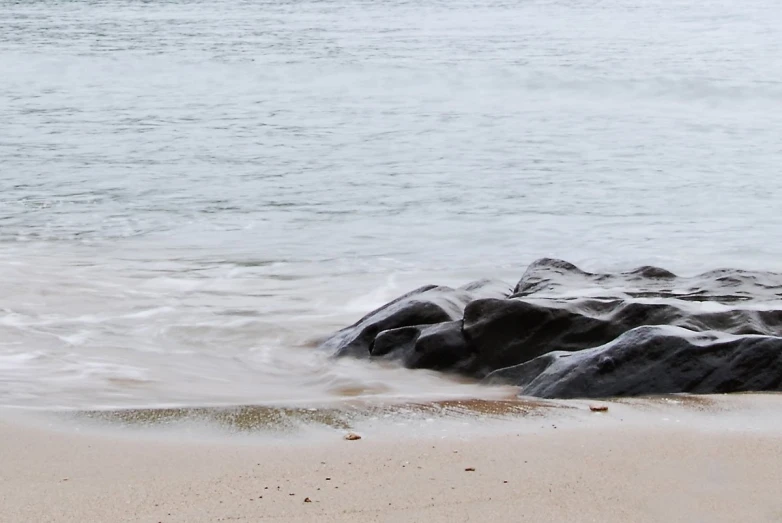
564	332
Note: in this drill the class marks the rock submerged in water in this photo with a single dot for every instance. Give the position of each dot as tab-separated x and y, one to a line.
565	333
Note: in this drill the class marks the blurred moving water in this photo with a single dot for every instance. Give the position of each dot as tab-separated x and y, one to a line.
193	192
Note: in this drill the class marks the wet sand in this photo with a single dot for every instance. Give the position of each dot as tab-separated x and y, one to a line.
641	461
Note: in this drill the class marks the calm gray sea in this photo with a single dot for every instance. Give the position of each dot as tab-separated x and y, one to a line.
193	192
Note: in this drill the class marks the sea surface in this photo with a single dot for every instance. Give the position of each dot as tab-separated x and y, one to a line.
194	192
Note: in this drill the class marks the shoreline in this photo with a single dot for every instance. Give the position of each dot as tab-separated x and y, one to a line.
713	461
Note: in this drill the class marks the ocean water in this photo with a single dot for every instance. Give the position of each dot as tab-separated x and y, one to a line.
193	192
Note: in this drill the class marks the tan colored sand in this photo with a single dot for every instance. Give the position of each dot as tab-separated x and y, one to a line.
589	474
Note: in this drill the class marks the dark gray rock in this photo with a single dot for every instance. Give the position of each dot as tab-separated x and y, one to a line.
566	332
425	306
653	360
549	277
397	343
439	347
508	332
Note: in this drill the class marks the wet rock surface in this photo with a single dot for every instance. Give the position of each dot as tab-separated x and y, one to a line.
653	360
441	346
564	332
427	305
558	278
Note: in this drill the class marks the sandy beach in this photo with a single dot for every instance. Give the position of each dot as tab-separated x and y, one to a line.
596	471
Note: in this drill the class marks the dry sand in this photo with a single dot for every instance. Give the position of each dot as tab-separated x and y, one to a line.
598	471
